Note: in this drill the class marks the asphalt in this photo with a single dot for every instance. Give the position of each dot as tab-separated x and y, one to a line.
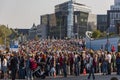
98	76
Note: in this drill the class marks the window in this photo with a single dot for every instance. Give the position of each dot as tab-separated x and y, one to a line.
116	15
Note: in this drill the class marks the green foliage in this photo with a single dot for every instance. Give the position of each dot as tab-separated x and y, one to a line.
96	34
111	34
103	34
36	37
5	32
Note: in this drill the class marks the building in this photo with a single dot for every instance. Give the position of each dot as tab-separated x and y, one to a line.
49	21
71	23
45	29
113	16
92	22
22	31
33	32
38	31
41	31
102	22
23	34
45	22
69	20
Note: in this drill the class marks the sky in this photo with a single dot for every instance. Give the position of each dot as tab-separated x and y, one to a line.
23	13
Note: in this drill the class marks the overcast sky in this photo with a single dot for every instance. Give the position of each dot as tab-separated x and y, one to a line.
23	13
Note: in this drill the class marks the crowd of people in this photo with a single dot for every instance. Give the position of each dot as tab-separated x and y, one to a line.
57	57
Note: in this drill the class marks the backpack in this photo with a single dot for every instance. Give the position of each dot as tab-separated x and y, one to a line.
33	64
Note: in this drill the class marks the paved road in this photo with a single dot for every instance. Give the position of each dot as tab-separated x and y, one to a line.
81	77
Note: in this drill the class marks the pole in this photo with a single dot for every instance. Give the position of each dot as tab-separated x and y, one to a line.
60	28
5	39
90	44
107	40
90	40
60	25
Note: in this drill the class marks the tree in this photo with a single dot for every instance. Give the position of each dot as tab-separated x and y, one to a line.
5	32
96	34
36	37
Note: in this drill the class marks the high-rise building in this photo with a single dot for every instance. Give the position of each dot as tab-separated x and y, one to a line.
102	22
71	23
113	17
49	21
69	20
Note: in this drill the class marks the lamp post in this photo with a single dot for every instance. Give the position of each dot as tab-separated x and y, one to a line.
60	27
107	40
90	40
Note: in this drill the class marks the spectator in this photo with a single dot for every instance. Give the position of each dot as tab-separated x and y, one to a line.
14	66
21	68
4	67
118	63
91	70
109	62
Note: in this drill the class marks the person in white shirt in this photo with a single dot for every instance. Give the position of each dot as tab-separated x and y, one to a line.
4	67
109	62
0	69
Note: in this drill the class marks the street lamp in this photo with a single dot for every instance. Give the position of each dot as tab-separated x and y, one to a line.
107	41
60	27
90	40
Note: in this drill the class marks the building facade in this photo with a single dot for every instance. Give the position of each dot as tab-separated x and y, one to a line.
33	32
113	16
23	34
92	22
38	31
102	23
70	24
49	22
68	21
41	31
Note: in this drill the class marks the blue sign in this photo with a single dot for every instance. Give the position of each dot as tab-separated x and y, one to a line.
14	45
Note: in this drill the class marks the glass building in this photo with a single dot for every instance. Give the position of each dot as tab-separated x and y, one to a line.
102	22
113	16
71	24
68	21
